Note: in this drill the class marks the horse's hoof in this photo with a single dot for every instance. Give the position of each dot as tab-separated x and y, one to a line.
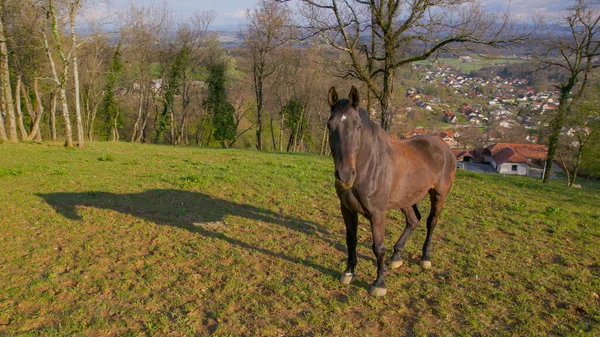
347	278
396	264
376	291
425	264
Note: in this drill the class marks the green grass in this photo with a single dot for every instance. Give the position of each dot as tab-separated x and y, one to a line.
128	240
467	67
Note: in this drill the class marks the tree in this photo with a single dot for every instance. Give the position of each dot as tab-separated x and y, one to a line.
590	158
72	7
94	60
584	123
59	80
470	137
8	106
223	125
380	36
113	119
145	31
264	34
191	39
295	121
573	51
172	87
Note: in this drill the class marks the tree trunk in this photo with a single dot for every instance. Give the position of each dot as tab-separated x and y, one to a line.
387	113
272	134
53	116
555	127
290	143
146	114
185	102
574	176
65	111
28	105
281	131
115	127
61	82
323	141
80	130
258	85
2	129
73	6
35	130
5	80
138	120
24	134
565	167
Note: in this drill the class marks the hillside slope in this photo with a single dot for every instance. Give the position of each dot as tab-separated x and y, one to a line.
123	239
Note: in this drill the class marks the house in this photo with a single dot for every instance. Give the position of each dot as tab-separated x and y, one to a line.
463	155
448	138
517	159
449	117
416	132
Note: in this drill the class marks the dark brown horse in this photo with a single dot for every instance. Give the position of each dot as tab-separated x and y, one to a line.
375	172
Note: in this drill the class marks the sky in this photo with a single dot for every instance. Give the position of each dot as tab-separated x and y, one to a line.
232	12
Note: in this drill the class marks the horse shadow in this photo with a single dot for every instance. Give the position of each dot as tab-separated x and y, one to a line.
192	211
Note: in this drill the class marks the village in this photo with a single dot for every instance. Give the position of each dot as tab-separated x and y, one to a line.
491	124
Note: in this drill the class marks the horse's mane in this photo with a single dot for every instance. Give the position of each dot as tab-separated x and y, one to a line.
364	116
366	121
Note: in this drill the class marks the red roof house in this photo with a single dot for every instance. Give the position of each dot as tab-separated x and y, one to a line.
519	159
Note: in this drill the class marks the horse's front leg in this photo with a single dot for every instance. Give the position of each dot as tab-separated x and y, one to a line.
377	219
351	222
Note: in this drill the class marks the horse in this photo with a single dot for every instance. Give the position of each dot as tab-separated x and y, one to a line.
375	172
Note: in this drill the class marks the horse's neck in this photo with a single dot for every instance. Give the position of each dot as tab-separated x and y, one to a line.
374	145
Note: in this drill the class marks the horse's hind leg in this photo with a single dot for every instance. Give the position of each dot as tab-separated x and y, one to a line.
413	217
437	204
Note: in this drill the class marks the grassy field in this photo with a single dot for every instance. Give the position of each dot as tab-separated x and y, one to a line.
141	240
467	67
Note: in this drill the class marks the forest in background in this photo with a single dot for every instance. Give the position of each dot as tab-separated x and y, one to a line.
153	78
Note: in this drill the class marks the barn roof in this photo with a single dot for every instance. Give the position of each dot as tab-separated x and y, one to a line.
517	153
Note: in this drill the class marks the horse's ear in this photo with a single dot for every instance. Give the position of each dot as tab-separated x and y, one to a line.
332	97
353	97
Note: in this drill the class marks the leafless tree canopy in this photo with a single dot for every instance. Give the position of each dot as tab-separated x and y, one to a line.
574	50
379	36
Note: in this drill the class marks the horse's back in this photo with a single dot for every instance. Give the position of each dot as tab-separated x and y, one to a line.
428	154
430	147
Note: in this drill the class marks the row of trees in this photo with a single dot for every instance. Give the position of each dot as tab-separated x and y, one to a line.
152	78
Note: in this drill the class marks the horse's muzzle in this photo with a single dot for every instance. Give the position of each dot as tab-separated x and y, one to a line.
344	178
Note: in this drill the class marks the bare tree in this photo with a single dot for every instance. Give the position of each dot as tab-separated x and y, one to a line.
379	36
573	51
61	79
72	8
583	123
92	58
145	30
191	38
242	107
28	66
264	34
7	97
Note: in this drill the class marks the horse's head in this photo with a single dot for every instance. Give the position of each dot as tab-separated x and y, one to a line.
344	136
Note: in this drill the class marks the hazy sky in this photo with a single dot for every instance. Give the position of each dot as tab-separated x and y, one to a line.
232	12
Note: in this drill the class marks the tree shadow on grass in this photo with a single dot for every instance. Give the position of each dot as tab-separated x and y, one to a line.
193	211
